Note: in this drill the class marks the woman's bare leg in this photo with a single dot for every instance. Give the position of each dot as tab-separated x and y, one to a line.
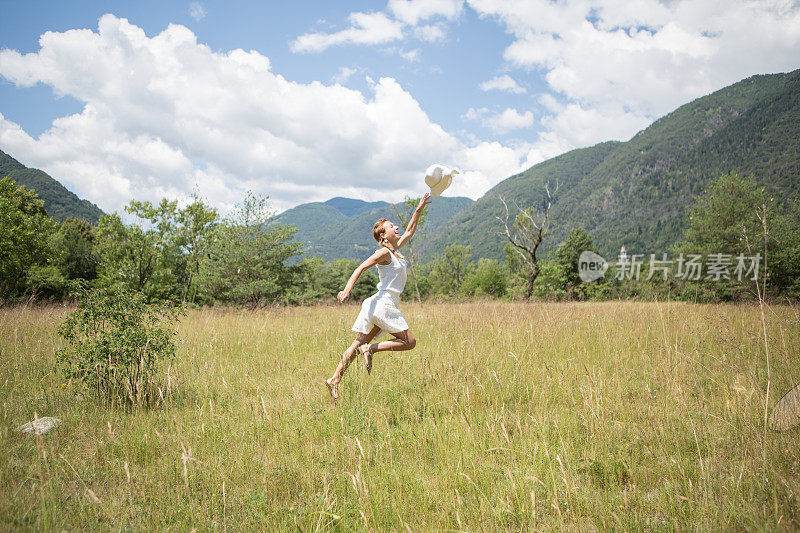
351	353
403	340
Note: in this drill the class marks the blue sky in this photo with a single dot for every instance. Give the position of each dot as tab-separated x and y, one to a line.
308	100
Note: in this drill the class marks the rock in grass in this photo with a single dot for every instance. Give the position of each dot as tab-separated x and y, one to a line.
40	426
786	413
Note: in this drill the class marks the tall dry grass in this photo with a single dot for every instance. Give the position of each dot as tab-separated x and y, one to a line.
505	416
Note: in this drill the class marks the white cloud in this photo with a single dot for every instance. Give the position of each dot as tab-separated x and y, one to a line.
510	119
164	116
617	64
412	56
475	113
576	125
197	11
484	160
414	11
507	120
430	33
365	28
344	74
379	28
502	83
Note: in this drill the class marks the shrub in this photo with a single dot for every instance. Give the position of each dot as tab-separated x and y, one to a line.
488	278
115	344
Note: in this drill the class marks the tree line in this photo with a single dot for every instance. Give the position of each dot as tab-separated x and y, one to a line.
192	255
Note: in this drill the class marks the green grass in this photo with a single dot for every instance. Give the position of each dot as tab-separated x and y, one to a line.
505	416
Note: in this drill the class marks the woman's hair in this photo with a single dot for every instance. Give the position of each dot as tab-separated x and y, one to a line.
377	229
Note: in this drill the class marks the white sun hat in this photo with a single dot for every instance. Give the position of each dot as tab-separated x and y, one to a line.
439	177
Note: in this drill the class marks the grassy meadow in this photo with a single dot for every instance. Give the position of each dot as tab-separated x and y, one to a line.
541	416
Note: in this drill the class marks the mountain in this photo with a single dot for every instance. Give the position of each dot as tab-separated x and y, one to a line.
342	227
350	207
637	193
59	202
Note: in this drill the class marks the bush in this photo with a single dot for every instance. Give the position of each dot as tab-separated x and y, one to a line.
115	344
488	279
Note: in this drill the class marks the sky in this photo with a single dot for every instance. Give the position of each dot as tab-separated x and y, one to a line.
304	101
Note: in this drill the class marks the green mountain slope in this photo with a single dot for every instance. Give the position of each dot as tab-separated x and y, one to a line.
351	207
59	202
313	220
637	193
329	233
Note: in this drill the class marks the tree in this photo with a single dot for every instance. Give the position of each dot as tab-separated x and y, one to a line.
25	231
735	217
334	275
309	278
529	230
725	213
515	271
246	257
74	244
423	283
161	255
567	257
409	205
198	222
785	259
451	269
132	258
169	240
72	258
488	278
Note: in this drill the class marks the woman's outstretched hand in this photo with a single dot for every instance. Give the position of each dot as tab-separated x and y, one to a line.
342	296
425	200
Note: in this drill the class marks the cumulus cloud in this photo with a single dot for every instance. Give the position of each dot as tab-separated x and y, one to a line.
165	115
616	65
502	83
613	66
485	160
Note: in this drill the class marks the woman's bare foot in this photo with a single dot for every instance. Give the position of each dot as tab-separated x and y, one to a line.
367	353
333	388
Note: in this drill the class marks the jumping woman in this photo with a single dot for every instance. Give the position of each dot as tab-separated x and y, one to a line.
380	312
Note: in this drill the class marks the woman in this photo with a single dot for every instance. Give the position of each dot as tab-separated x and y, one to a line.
380	312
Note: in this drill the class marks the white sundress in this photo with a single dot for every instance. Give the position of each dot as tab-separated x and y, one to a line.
381	309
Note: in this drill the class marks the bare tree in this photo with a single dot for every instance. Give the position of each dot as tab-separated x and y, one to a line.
529	228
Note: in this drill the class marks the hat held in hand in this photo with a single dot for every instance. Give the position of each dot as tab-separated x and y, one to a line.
438	178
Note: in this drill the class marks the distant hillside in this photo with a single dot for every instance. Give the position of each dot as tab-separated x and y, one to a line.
328	231
350	207
59	202
637	193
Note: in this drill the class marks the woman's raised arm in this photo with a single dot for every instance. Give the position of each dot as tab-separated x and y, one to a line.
412	224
